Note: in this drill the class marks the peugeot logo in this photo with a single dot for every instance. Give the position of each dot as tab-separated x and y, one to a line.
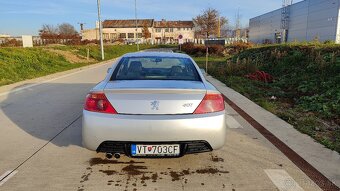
154	105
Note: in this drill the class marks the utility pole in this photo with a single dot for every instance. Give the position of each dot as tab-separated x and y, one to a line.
206	55
219	27
100	31
136	22
238	24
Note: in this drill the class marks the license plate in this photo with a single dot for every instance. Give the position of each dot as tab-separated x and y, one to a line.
155	150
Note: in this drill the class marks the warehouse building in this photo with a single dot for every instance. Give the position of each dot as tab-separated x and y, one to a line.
307	20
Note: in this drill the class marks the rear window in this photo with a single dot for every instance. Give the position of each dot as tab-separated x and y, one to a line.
155	68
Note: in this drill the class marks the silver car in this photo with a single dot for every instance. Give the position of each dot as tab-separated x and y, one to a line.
154	104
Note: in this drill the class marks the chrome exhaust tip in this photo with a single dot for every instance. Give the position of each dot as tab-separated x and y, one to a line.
117	155
108	155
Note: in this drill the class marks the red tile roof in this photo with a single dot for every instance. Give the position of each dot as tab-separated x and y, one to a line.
173	24
127	23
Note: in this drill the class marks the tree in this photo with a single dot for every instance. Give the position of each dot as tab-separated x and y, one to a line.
62	29
48	29
63	33
67	29
209	22
145	32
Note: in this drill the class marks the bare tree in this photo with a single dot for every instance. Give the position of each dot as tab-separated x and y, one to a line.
145	32
67	29
209	22
48	29
63	33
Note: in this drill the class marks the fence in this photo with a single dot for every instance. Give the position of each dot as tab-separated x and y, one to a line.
37	41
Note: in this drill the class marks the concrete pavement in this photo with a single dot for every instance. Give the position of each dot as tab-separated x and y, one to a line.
40	137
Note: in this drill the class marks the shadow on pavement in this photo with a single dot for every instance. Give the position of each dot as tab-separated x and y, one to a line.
47	109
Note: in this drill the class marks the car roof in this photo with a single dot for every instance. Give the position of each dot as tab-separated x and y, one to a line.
156	54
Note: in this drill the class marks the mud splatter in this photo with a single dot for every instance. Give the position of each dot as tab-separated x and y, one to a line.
186	172
216	159
154	177
144	178
85	176
210	171
175	175
202	184
108	172
98	161
134	170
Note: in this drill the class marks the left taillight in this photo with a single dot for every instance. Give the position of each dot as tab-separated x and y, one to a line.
97	102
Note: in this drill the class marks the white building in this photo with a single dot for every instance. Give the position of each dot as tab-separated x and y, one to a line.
160	31
169	31
303	21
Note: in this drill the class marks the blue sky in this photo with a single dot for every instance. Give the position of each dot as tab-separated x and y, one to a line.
19	17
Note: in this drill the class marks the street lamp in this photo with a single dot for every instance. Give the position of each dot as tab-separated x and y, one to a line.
136	23
100	30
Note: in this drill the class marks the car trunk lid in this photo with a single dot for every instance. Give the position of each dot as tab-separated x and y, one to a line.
155	97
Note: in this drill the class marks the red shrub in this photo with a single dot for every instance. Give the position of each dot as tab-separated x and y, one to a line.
260	76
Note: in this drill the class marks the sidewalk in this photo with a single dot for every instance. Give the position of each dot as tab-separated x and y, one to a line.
324	160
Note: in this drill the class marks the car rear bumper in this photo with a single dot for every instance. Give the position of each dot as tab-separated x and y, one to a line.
124	147
102	130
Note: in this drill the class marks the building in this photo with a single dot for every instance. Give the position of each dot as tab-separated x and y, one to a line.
5	35
160	31
303	21
125	29
169	31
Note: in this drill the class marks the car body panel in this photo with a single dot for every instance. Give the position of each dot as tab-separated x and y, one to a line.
98	127
155	96
138	120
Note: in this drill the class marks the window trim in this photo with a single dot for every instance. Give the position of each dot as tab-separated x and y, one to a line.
114	73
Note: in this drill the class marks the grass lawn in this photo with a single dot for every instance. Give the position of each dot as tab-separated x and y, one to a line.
17	64
111	51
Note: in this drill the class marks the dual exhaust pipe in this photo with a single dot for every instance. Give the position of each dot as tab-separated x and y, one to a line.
110	155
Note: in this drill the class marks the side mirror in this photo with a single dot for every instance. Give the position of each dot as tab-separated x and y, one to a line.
109	70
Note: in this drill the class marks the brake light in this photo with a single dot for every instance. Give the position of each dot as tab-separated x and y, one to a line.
97	102
210	103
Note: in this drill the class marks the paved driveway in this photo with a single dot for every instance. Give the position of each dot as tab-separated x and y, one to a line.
40	139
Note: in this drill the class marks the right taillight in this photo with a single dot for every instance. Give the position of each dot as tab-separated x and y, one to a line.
97	102
210	103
